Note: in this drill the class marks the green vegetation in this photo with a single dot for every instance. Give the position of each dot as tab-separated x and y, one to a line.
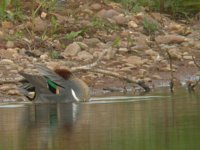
54	54
150	26
72	35
100	23
116	42
6	13
174	7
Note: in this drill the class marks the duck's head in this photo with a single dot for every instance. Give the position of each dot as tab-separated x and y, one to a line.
77	89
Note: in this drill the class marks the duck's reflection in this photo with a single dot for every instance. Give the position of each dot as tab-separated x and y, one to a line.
36	126
47	121
53	115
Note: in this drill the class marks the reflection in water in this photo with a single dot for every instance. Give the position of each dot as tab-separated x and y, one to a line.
170	123
35	126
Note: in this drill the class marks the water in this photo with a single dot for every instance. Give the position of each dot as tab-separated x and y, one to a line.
158	122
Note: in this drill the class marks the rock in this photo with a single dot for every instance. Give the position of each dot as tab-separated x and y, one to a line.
191	63
39	25
92	42
10	44
142	72
157	16
174	27
197	44
123	49
111	53
108	13
151	52
14	92
43	15
157	77
7	25
44	56
147	80
71	50
101	13
111	13
84	55
170	39
120	20
95	6
7	87
132	24
175	54
83	45
6	62
187	57
134	60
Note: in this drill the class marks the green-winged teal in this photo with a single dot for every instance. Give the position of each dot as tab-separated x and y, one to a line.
59	85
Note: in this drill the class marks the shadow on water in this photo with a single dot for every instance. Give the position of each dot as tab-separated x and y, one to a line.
158	122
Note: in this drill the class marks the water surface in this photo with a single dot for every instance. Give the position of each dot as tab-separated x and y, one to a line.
158	121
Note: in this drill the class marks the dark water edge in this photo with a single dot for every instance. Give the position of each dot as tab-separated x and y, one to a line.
158	121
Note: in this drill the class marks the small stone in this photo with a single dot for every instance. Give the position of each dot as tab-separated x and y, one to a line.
10	44
187	57
170	39
120	20
175	54
123	49
142	72
14	92
43	15
96	6
147	79
6	62
7	87
191	63
111	53
108	13
92	42
84	55
156	77
39	24
71	50
7	25
82	45
132	24
134	60
44	57
151	52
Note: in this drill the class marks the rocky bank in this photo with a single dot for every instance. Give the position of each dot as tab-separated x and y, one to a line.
136	43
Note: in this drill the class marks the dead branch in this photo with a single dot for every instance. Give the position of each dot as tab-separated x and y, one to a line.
113	74
195	62
171	72
92	68
92	65
191	85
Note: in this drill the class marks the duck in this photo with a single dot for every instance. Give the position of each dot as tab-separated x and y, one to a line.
58	85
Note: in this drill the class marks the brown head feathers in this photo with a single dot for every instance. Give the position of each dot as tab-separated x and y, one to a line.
66	74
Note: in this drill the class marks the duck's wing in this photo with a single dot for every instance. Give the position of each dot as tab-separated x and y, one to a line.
36	81
50	74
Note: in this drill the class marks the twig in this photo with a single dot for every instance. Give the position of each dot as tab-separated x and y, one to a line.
171	71
195	62
90	66
113	74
